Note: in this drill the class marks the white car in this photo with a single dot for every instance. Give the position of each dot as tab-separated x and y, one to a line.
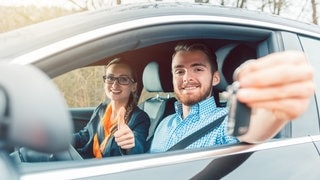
37	124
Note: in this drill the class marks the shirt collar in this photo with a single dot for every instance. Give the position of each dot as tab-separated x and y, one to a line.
206	107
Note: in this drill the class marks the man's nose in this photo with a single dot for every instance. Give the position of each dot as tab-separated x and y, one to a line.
187	76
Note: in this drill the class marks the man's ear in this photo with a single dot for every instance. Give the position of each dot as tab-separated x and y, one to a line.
215	78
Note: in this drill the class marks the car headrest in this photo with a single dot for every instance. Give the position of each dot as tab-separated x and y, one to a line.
151	77
33	113
230	57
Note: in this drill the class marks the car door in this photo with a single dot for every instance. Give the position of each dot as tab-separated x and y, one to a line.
81	116
310	45
285	160
294	156
279	158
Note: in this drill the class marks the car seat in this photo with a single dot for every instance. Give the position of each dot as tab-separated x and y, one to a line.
156	107
229	57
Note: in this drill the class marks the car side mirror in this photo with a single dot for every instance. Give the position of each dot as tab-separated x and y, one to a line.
33	113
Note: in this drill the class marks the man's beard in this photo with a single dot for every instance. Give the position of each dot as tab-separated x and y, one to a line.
190	100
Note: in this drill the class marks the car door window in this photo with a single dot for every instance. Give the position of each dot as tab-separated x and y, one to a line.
82	87
311	47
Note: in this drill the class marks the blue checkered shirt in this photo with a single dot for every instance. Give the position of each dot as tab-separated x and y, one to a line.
173	128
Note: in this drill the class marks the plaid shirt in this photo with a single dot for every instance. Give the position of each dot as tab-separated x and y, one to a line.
173	128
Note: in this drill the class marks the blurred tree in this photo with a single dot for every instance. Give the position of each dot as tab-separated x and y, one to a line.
314	12
241	3
16	17
275	6
201	1
82	87
95	4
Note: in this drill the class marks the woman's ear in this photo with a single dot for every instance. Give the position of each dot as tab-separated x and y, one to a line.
134	87
215	78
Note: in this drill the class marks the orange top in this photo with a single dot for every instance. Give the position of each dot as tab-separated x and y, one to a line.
108	124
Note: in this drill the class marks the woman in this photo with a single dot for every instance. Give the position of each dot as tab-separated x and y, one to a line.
118	127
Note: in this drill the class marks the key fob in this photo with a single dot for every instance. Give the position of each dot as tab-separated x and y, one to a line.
239	113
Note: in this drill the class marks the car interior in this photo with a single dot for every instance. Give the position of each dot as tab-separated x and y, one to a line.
159	106
156	78
154	69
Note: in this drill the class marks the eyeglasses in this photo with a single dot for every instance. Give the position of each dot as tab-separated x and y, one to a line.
122	80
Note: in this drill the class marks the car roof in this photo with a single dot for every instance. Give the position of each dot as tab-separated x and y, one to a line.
17	42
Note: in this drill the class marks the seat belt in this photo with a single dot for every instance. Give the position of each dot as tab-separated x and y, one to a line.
185	142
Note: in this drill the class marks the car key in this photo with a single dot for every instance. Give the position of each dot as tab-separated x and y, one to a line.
239	113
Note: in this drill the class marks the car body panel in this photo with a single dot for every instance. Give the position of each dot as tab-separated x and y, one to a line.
185	165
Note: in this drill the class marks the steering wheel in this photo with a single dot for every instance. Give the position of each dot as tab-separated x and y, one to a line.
23	154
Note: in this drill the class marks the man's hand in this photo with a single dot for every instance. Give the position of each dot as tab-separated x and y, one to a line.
124	136
278	88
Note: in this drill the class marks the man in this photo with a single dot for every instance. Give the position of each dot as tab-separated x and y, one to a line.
271	86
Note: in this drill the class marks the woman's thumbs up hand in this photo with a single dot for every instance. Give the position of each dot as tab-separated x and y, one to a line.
124	136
